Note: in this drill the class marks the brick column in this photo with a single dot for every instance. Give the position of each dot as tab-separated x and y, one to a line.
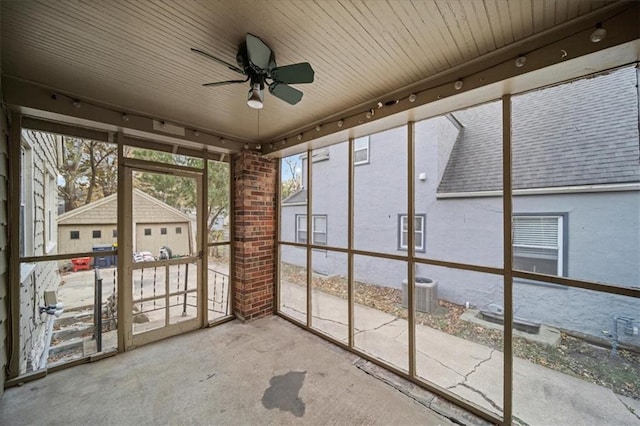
254	180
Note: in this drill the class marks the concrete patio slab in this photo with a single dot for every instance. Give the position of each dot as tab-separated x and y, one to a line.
265	372
475	372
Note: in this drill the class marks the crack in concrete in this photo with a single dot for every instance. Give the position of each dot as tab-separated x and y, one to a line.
483	395
378	327
471	388
295	310
475	368
329	320
441	363
313	316
356	331
631	410
519	421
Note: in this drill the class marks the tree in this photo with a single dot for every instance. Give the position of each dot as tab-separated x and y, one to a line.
180	192
90	172
89	169
291	176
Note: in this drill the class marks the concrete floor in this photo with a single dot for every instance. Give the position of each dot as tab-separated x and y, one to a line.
541	396
265	372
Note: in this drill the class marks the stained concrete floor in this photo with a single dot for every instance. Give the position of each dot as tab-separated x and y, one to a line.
265	372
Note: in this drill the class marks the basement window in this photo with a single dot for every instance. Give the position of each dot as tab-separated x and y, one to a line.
147	231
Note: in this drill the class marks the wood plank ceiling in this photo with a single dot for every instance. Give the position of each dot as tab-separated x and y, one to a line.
134	55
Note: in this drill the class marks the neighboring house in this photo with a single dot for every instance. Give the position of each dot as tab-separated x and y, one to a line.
156	224
576	204
40	157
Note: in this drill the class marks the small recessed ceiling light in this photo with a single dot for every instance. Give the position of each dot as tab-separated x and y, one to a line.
520	60
125	117
77	104
300	137
340	123
196	133
318	127
270	146
258	146
412	97
380	105
370	113
458	85
246	146
598	34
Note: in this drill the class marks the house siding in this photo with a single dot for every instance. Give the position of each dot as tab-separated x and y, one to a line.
380	196
178	243
469	230
4	253
594	240
42	276
148	212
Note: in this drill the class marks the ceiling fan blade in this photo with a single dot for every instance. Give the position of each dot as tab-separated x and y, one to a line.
218	60
222	83
293	74
259	53
286	93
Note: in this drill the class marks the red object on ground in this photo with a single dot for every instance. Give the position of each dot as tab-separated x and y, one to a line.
81	264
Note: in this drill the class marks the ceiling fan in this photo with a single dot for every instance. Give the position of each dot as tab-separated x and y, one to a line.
257	62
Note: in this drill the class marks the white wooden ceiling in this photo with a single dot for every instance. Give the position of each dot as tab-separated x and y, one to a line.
134	55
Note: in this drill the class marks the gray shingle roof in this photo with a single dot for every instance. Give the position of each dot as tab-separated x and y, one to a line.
300	196
580	133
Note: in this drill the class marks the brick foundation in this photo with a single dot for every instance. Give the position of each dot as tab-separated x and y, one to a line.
254	191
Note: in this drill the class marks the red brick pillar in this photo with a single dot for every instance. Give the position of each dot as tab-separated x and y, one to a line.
254	241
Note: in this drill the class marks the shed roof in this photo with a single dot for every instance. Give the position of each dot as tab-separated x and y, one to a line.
580	133
104	211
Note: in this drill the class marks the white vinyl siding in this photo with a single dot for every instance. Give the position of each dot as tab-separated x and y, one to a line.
537	244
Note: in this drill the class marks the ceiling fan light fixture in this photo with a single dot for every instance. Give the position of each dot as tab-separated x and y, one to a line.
256	97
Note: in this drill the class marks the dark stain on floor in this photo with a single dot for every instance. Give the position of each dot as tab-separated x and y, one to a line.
283	393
